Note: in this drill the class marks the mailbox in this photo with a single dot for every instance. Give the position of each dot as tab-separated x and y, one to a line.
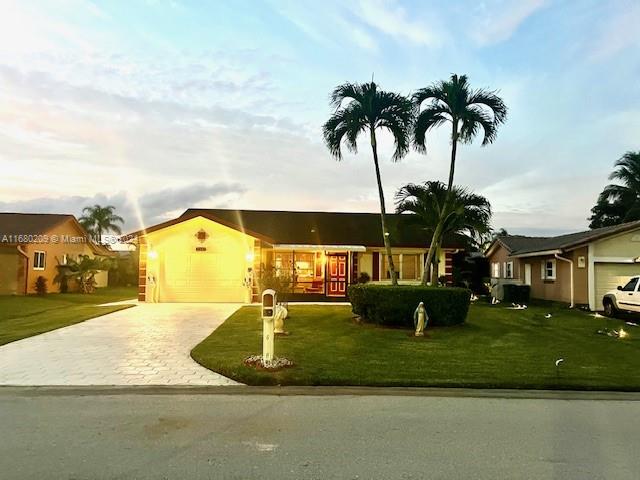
268	312
269	301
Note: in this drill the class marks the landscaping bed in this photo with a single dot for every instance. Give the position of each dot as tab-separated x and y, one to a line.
23	316
496	347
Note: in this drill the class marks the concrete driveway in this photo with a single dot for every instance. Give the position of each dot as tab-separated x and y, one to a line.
148	344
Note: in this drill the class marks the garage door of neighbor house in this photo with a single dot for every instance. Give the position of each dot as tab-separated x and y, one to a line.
202	277
609	275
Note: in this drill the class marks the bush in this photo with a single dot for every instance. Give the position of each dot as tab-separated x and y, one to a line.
395	305
363	278
41	285
516	293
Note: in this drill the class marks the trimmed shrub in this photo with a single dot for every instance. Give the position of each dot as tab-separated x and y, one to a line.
389	305
41	285
516	293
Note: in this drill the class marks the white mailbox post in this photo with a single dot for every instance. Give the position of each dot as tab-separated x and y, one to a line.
269	302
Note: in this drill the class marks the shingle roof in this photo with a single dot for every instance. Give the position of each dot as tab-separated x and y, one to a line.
30	223
519	244
39	224
319	228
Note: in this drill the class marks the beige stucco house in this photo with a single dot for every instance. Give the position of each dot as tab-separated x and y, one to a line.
33	244
577	268
216	255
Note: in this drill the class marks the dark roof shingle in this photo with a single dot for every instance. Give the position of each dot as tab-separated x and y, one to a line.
520	244
320	228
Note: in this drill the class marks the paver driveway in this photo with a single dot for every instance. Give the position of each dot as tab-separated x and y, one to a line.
148	344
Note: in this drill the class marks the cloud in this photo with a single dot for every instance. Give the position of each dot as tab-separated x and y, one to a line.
155	206
616	33
390	18
496	21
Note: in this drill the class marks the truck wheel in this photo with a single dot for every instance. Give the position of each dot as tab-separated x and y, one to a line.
609	309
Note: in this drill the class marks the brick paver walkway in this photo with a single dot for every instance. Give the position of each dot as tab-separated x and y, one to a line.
148	344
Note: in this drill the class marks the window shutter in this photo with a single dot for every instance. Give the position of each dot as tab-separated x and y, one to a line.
542	269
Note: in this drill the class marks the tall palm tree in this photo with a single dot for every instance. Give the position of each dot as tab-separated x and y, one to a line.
98	220
619	203
361	108
456	211
469	111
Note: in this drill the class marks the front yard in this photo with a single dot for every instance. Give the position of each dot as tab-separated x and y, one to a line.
496	348
25	316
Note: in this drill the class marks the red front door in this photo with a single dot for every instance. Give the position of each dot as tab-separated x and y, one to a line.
337	275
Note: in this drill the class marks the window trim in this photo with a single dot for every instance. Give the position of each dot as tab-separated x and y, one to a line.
508	266
554	271
44	259
495	269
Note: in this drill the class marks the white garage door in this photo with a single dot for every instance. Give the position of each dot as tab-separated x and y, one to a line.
609	275
203	277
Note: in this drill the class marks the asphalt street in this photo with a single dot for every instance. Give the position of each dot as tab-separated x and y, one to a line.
98	435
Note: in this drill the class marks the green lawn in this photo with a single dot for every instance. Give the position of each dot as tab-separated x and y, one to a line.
496	348
25	316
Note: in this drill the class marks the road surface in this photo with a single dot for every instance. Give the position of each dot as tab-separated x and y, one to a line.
93	435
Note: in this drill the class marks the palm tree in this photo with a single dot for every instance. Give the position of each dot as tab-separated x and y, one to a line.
361	108
619	203
456	211
98	220
468	110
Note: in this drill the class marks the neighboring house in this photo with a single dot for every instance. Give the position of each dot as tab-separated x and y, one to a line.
32	244
578	268
216	255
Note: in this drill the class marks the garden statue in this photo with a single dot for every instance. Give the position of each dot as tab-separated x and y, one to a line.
278	319
420	319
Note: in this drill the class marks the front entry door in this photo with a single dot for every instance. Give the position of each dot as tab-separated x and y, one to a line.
337	275
527	274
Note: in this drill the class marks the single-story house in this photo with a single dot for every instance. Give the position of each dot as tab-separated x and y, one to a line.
578	268
33	244
217	255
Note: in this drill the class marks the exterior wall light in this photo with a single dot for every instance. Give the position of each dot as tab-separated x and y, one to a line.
152	254
250	256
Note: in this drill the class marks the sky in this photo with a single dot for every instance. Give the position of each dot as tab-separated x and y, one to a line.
157	106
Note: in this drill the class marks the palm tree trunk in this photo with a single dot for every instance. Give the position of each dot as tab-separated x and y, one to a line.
437	233
435	274
383	211
433	246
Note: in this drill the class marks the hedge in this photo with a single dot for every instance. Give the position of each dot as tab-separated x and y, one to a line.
395	305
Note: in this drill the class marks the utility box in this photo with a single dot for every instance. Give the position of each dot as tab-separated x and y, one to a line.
269	302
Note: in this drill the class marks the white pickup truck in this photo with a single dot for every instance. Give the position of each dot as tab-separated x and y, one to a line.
625	298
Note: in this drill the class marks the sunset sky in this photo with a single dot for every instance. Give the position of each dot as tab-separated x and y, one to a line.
157	106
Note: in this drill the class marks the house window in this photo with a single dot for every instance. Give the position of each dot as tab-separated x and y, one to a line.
409	267
495	270
548	270
508	270
39	260
396	264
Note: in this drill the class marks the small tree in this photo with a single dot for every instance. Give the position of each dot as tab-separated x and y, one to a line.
269	277
83	271
41	285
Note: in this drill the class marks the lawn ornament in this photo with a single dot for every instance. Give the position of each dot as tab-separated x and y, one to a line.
548	315
278	319
494	301
153	289
420	320
474	297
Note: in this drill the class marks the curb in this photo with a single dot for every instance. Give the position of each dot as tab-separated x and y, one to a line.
100	390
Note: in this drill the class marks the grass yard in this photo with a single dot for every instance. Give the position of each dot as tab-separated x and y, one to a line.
25	316
496	348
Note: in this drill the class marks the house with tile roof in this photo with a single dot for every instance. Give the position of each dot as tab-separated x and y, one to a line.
577	268
215	255
33	244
